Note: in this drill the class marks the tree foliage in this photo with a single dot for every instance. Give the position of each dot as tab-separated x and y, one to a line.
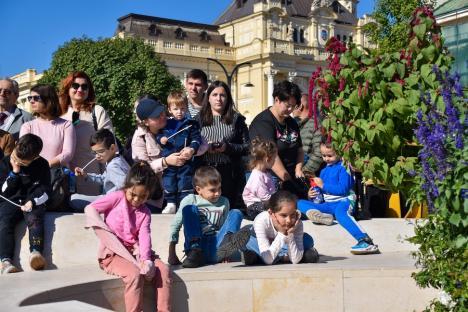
391	23
121	70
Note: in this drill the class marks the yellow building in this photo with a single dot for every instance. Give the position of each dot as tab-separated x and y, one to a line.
26	80
278	39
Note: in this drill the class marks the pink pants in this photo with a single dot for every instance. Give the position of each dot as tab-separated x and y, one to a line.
134	282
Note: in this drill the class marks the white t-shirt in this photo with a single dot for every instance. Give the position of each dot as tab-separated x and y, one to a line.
270	241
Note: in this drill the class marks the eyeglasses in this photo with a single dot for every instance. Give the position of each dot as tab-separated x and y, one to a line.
6	91
76	86
34	98
99	152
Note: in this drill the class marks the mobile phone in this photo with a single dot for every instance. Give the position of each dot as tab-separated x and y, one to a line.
216	144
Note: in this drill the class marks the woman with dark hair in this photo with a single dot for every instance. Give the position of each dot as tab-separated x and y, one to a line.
77	100
226	132
275	124
57	134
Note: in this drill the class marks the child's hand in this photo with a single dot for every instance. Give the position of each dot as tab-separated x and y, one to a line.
14	162
27	207
164	140
293	228
319	182
298	173
79	172
173	259
147	269
187	152
312	193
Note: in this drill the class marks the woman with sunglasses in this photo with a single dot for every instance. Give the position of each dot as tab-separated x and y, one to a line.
57	134
77	100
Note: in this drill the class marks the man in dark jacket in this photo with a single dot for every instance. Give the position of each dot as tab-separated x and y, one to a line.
11	117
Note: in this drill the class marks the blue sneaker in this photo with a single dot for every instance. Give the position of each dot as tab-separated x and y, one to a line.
365	246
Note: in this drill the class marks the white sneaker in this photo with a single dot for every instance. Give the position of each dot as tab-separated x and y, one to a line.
170	208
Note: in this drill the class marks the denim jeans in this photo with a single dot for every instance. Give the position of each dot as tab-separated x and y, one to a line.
11	215
208	243
78	202
252	245
341	210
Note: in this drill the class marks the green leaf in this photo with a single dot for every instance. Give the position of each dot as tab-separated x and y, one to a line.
412	80
420	31
455	219
389	71
396	89
429	53
400	70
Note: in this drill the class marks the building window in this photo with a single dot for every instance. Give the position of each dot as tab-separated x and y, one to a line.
295	35
338	37
301	34
350	38
344	38
153	30
204	36
180	34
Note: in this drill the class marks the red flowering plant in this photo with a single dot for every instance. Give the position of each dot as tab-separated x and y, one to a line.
369	102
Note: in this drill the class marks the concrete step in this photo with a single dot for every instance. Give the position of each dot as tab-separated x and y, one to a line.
67	243
379	282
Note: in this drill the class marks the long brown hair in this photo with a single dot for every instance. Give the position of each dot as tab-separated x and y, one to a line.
49	98
206	115
66	83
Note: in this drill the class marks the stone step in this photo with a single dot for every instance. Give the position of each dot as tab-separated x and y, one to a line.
67	243
379	282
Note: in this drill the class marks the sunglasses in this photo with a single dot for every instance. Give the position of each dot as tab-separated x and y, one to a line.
6	91
76	86
34	98
75	118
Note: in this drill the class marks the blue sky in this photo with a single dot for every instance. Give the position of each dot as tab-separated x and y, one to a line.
35	29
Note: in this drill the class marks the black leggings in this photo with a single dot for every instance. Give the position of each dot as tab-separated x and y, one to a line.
10	216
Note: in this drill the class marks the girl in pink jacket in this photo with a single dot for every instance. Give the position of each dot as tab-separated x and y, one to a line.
125	237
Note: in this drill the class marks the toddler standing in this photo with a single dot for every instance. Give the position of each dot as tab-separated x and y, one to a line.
126	239
260	185
181	134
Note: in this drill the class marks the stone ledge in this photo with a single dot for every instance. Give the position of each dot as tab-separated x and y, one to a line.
67	243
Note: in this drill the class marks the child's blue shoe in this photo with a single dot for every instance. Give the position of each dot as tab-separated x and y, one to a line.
365	246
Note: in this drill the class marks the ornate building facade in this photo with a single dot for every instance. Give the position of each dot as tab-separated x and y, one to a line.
258	42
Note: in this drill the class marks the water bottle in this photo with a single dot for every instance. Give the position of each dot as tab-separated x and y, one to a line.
318	199
71	180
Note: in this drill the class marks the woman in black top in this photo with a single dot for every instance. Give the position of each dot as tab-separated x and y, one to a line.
226	132
276	124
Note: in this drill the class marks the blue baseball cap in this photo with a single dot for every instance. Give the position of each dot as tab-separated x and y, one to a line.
149	108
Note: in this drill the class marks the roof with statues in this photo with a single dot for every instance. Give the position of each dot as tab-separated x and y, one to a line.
299	8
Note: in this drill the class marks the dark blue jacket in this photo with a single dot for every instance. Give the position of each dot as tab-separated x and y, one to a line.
189	137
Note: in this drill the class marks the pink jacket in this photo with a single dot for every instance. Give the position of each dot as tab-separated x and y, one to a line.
130	224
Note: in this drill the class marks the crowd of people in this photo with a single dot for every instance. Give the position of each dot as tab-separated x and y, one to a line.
194	157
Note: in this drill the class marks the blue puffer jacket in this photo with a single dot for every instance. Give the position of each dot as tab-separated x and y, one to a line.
189	137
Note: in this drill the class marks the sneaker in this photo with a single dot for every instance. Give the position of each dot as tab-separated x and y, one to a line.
233	242
170	208
194	259
319	217
365	246
310	256
7	267
249	257
37	261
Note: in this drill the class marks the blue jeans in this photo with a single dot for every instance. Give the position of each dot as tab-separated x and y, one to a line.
252	245
177	182
340	209
208	243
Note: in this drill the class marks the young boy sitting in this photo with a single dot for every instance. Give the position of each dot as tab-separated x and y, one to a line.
336	184
25	180
181	134
211	230
112	179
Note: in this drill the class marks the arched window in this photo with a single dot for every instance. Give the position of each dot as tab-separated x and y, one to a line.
301	35
295	35
338	37
344	38
180	34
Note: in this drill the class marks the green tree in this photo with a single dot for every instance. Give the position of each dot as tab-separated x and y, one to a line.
391	27
121	70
